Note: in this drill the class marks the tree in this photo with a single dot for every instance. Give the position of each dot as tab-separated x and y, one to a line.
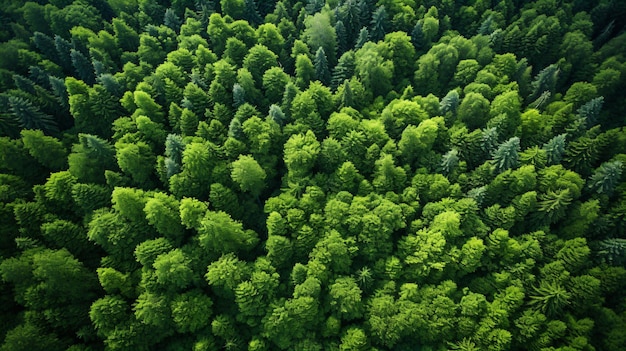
301	151
322	73
378	23
474	110
320	33
90	158
606	177
345	298
259	60
221	234
506	156
374	71
249	175
49	151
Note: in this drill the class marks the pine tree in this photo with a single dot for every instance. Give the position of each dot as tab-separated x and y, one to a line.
314	6
24	84
171	20
342	38
590	111
30	117
83	67
46	45
417	36
59	90
506	156
544	81
347	98
450	102
487	27
606	178
343	70
362	39
449	161
251	12
555	148
276	115
322	73
550	298
613	250
378	24
490	138
239	95
64	50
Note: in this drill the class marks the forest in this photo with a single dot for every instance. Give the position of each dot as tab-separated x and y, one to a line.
350	175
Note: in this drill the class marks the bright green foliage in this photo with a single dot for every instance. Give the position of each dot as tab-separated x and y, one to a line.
162	212
191	311
248	174
345	298
301	152
220	233
47	150
172	270
312	175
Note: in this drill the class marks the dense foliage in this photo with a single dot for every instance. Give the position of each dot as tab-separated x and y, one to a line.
312	175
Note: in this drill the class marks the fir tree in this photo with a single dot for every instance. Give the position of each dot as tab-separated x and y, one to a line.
46	45
342	38
507	155
449	161
417	36
347	99
322	73
251	12
171	20
83	67
239	95
378	24
555	148
59	90
343	70
450	102
606	178
276	115
64	51
314	6
544	81
363	38
590	111
30	117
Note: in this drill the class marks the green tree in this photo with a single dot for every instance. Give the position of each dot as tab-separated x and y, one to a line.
49	151
248	174
506	156
322	73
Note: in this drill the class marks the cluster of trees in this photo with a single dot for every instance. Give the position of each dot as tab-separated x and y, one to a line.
312	175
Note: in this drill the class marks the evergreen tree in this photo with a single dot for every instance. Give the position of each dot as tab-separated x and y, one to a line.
506	156
555	148
239	95
606	178
171	20
342	38
590	111
83	67
322	73
544	81
417	36
251	12
30	117
450	102
364	37
343	70
378	24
